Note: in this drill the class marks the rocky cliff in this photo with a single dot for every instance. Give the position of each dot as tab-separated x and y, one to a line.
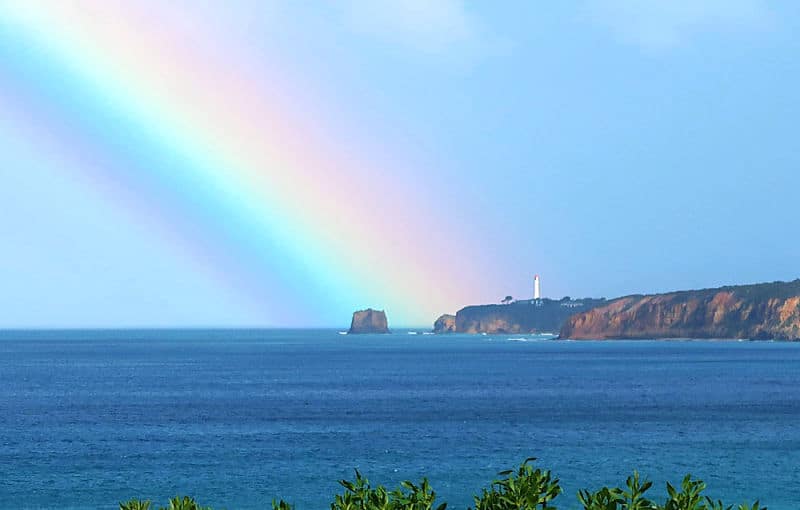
519	317
762	311
369	321
445	324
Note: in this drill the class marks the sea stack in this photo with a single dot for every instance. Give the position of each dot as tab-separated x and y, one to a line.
369	321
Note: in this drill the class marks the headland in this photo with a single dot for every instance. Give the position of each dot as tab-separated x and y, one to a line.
524	316
758	312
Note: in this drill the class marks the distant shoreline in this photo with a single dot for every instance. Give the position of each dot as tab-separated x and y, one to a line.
422	334
764	311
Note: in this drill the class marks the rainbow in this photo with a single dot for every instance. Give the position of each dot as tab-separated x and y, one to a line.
184	131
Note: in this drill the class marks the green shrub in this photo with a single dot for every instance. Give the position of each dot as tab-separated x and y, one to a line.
281	505
184	503
135	504
630	498
359	495
603	499
633	498
526	488
755	506
690	496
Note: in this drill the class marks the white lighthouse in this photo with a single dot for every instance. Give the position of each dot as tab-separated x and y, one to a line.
537	288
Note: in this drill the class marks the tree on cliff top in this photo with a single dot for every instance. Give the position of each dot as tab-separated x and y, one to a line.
506	300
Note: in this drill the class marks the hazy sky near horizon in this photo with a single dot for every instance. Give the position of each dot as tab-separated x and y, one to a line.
455	148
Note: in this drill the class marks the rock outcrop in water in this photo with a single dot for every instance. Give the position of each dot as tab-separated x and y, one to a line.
519	317
445	324
369	321
762	311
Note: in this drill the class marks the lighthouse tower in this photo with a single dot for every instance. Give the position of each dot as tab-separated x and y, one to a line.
537	288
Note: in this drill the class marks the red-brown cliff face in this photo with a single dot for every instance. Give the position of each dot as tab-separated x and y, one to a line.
762	311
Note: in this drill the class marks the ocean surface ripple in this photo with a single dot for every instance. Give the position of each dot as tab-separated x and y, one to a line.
238	417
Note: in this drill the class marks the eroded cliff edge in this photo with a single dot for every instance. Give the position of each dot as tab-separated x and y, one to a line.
445	324
760	311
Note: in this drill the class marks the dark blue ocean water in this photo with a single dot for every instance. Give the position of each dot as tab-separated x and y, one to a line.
239	417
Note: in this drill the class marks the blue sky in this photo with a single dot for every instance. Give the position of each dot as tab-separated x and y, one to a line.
613	147
617	146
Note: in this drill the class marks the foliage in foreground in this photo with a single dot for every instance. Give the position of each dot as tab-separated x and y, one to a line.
526	488
176	503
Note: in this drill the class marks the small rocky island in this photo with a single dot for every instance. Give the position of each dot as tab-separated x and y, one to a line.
369	321
760	312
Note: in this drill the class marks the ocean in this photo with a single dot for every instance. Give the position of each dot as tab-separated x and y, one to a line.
238	417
